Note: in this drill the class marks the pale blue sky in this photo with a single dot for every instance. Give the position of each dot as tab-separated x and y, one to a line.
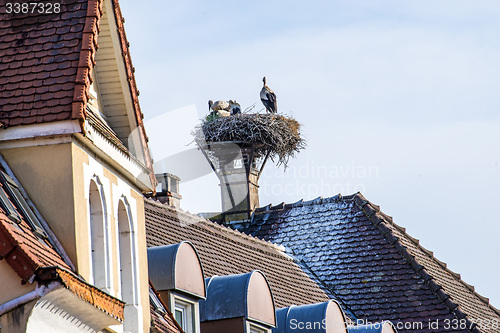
398	99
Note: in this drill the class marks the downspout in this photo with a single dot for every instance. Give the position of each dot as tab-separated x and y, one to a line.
40	291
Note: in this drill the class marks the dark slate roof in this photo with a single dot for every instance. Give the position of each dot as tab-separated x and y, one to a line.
224	251
371	264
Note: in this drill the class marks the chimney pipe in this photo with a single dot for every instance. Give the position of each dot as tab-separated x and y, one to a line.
169	192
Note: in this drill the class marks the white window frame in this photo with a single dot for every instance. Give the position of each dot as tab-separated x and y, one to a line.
127	259
190	309
99	234
255	328
186	313
127	254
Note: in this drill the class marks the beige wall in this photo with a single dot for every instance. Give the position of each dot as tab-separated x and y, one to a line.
10	283
46	173
82	243
56	180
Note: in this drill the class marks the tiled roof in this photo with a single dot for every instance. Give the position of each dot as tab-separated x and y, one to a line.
31	257
224	251
24	252
371	264
46	62
163	323
88	293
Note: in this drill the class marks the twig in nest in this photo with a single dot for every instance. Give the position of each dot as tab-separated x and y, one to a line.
278	134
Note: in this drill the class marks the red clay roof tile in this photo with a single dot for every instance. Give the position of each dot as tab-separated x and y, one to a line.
56	52
24	252
37	48
99	299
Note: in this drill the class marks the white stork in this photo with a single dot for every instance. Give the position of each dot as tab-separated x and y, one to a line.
235	107
221	108
268	98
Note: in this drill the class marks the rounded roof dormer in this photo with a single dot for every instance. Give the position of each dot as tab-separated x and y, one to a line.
241	295
176	267
326	317
382	327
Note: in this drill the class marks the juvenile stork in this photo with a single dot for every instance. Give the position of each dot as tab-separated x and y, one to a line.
235	107
221	108
268	98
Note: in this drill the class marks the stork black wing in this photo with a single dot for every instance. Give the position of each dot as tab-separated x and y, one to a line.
271	97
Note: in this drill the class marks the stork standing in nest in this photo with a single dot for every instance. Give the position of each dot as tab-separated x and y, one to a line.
268	98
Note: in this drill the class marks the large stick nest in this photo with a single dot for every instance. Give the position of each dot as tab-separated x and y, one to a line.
273	134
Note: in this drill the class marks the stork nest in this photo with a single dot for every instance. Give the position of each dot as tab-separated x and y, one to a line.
271	134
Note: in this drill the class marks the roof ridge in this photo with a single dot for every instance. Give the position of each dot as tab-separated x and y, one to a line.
301	203
378	218
159	204
229	230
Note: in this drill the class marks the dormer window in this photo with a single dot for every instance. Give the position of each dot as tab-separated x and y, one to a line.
320	317
186	312
177	274
255	328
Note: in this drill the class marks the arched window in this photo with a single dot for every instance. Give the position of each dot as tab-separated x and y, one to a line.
100	275
128	267
126	253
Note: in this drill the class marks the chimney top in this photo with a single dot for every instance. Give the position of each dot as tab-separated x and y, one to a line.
169	191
